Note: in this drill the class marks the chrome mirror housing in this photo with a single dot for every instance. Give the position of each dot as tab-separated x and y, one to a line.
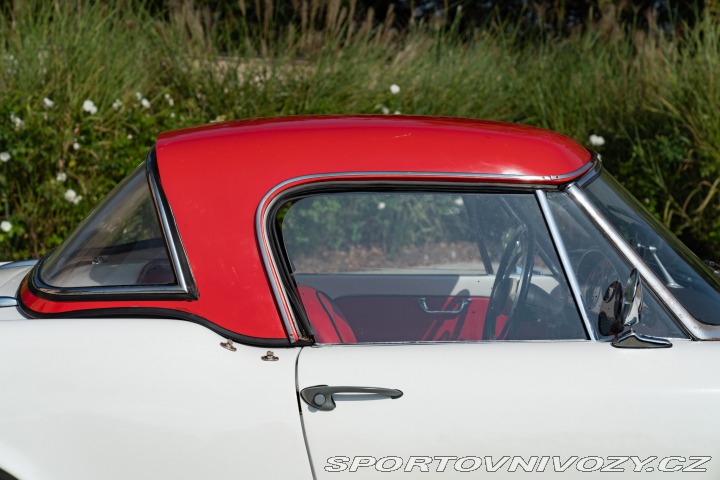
632	300
632	304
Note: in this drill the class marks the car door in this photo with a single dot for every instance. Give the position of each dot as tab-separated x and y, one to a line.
448	339
569	406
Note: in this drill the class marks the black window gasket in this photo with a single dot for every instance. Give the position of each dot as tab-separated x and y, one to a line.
184	288
274	233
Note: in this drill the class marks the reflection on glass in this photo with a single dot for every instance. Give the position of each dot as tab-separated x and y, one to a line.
692	282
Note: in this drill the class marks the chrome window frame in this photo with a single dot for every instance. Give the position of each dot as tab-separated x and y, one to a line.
263	222
565	262
183	289
695	329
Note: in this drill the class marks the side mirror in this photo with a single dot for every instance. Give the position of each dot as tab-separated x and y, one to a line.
632	300
610	317
631	311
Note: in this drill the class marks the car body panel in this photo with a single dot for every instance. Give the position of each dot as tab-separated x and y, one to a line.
499	399
143	398
10	278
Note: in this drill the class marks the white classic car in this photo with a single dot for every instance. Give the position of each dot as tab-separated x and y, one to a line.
362	296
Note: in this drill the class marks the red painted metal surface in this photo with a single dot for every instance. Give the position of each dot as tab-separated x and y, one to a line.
216	176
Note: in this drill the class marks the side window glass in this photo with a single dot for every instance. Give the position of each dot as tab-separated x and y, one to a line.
597	264
120	243
426	267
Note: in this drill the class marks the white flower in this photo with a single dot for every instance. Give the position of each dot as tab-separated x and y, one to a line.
130	136
76	146
597	140
89	107
385	110
17	121
394	89
117	104
381	206
169	99
138	96
5	156
70	195
77	199
61	177
172	114
48	103
5	226
145	103
396	112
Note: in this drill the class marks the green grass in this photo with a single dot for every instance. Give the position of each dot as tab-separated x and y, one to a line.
653	99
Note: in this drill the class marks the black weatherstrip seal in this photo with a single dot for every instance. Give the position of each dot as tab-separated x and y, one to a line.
131	292
161	313
172	229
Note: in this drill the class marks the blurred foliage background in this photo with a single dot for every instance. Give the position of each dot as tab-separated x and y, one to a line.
87	86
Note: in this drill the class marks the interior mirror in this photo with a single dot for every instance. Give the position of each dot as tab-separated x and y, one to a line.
631	312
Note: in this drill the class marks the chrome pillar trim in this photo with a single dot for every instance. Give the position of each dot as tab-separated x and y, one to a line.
697	330
167	233
288	318
565	261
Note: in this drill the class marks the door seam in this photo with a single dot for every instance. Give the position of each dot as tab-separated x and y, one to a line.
302	419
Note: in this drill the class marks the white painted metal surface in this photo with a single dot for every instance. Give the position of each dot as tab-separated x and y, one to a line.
10	278
144	399
520	398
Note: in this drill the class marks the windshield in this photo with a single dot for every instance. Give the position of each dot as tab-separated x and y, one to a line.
694	284
119	244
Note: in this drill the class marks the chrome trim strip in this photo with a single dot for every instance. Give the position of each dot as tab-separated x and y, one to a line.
565	261
115	290
536	179
690	324
167	232
8	302
118	290
266	203
288	317
19	264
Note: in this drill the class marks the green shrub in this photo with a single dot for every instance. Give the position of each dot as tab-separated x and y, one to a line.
653	99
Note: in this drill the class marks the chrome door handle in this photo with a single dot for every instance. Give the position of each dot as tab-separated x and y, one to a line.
463	303
321	396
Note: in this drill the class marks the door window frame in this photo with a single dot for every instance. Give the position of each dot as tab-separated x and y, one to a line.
278	264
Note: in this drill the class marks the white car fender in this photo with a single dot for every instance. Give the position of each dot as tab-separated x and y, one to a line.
144	399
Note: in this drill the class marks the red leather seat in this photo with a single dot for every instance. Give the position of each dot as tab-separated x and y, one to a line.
326	318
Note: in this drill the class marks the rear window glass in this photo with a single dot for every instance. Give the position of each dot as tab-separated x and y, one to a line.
119	244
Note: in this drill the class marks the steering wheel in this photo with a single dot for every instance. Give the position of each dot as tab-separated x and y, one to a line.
507	293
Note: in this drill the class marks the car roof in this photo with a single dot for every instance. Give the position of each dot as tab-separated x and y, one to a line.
221	180
288	147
